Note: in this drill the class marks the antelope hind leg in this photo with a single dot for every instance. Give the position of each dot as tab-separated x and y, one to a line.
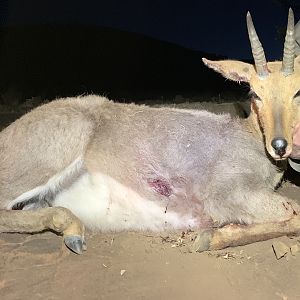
57	219
238	235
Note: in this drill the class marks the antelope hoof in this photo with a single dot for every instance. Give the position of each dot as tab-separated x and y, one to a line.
202	241
75	243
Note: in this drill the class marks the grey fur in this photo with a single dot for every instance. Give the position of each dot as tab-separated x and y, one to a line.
214	167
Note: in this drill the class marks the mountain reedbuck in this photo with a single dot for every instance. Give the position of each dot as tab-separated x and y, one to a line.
112	166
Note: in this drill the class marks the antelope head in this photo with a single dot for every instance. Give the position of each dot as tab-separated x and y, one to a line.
275	88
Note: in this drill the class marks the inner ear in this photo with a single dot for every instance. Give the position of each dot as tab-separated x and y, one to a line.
232	69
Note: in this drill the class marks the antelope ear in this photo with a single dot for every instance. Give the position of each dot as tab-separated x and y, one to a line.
232	69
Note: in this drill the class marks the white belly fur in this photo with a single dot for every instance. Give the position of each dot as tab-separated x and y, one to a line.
102	203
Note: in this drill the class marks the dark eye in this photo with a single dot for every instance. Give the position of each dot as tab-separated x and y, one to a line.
297	94
254	95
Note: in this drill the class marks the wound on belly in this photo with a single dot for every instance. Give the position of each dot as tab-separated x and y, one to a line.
161	186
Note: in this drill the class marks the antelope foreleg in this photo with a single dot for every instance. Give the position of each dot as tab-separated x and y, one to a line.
238	235
57	219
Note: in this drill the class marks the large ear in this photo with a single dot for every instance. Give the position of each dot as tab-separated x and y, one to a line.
232	69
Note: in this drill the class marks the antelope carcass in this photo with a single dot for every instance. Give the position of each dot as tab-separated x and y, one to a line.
112	166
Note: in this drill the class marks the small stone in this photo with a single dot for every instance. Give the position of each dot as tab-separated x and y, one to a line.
280	249
226	256
122	272
295	249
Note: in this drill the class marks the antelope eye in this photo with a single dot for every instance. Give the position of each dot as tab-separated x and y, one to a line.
297	94
254	95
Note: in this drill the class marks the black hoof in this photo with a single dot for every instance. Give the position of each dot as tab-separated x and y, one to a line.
202	241
75	243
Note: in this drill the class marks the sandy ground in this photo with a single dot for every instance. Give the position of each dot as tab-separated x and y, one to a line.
144	266
133	265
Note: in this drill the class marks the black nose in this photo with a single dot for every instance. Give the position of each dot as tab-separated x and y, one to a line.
279	144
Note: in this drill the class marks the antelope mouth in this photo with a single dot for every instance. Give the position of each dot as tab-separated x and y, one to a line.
280	156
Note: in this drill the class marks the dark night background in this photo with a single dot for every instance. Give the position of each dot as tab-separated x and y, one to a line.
129	50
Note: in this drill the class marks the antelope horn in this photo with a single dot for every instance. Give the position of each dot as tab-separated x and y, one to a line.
257	50
289	47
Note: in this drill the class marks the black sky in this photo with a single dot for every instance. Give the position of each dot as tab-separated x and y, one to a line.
211	26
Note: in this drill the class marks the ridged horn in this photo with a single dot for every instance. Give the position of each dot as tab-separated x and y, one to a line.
257	50
289	47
